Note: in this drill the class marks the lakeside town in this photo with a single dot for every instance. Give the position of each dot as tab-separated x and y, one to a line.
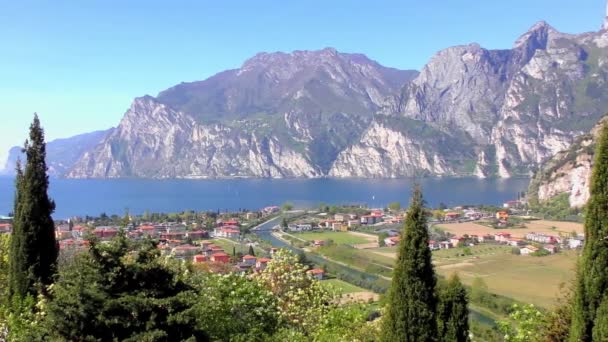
226	242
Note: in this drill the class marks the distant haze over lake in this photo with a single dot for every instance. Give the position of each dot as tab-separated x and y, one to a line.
92	197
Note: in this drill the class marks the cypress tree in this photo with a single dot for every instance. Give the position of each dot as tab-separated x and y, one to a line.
592	273
452	312
251	251
410	314
33	250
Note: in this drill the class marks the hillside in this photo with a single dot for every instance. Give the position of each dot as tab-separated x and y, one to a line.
568	172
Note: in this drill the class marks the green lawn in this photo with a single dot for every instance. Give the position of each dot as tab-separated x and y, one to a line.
342	287
340	238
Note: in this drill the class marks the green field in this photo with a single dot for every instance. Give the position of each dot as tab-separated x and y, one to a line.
527	279
340	238
341	286
359	258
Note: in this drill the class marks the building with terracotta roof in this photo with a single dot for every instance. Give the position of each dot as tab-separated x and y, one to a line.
316	273
220	257
249	260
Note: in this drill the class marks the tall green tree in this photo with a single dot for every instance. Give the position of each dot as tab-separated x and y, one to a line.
33	250
251	251
121	291
591	291
452	311
410	314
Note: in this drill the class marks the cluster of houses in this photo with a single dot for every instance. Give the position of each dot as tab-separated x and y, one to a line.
550	243
344	222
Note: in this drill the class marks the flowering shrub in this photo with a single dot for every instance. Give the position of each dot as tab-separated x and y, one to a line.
303	303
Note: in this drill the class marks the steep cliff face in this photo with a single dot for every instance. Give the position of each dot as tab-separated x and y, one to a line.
569	171
521	105
155	141
470	111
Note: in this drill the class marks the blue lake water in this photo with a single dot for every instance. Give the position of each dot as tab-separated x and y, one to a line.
92	197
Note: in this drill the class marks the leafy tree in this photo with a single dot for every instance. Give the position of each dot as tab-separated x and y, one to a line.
592	273
287	206
33	250
234	308
251	251
410	315
394	206
559	320
303	302
452	311
120	291
525	324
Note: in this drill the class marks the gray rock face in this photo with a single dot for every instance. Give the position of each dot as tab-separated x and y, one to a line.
470	111
568	172
521	106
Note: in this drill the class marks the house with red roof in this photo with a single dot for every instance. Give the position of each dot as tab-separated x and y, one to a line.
230	222
183	251
231	232
433	245
502	237
550	248
261	263
197	259
392	241
249	260
456	240
220	257
316	273
197	234
452	216
528	250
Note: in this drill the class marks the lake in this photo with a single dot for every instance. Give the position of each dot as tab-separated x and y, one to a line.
79	197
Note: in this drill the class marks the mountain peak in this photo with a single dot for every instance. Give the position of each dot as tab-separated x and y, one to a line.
536	37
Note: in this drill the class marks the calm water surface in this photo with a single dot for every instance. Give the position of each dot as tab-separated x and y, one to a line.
92	197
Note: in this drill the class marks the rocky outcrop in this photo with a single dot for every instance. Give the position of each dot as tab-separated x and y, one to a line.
386	153
155	141
569	171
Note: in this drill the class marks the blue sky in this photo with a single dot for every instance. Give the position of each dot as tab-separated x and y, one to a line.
80	63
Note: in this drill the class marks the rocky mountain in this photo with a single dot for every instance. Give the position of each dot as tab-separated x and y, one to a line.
469	111
61	153
568	172
519	106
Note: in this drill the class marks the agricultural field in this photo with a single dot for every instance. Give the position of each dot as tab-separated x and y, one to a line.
537	226
341	286
350	293
340	238
528	279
